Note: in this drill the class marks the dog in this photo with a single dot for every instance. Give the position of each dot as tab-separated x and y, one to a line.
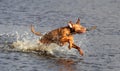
63	35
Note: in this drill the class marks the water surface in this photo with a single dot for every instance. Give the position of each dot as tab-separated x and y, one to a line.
101	46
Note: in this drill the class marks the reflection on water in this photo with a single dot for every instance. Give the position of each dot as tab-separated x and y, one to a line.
66	64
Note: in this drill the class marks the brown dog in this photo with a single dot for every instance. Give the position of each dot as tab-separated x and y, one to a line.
63	35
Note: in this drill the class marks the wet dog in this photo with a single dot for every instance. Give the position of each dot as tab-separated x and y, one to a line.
63	35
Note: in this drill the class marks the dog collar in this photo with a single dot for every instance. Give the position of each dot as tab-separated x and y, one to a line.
72	31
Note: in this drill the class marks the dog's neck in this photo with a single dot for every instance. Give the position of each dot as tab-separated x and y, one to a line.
72	31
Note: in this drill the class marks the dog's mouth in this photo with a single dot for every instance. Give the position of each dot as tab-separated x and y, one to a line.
81	31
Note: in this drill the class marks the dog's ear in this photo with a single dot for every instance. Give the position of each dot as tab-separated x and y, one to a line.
78	21
70	24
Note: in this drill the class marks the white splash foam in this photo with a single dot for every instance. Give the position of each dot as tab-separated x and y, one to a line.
52	49
30	46
29	43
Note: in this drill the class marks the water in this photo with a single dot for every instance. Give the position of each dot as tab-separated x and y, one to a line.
101	46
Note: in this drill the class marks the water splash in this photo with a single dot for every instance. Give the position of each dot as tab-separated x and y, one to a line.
27	42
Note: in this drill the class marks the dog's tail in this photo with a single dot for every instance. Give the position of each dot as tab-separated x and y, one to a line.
33	31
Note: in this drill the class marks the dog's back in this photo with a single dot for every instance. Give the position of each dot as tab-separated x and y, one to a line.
54	36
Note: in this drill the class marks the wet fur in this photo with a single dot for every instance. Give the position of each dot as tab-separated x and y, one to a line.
63	35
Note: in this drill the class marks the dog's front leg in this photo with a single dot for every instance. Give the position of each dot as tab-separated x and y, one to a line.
67	39
70	40
78	48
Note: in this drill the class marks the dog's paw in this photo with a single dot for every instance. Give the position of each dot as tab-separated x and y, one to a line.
81	52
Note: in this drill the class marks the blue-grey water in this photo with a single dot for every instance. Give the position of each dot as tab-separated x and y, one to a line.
101	46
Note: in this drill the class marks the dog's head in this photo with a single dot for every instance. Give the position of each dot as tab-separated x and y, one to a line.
77	27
